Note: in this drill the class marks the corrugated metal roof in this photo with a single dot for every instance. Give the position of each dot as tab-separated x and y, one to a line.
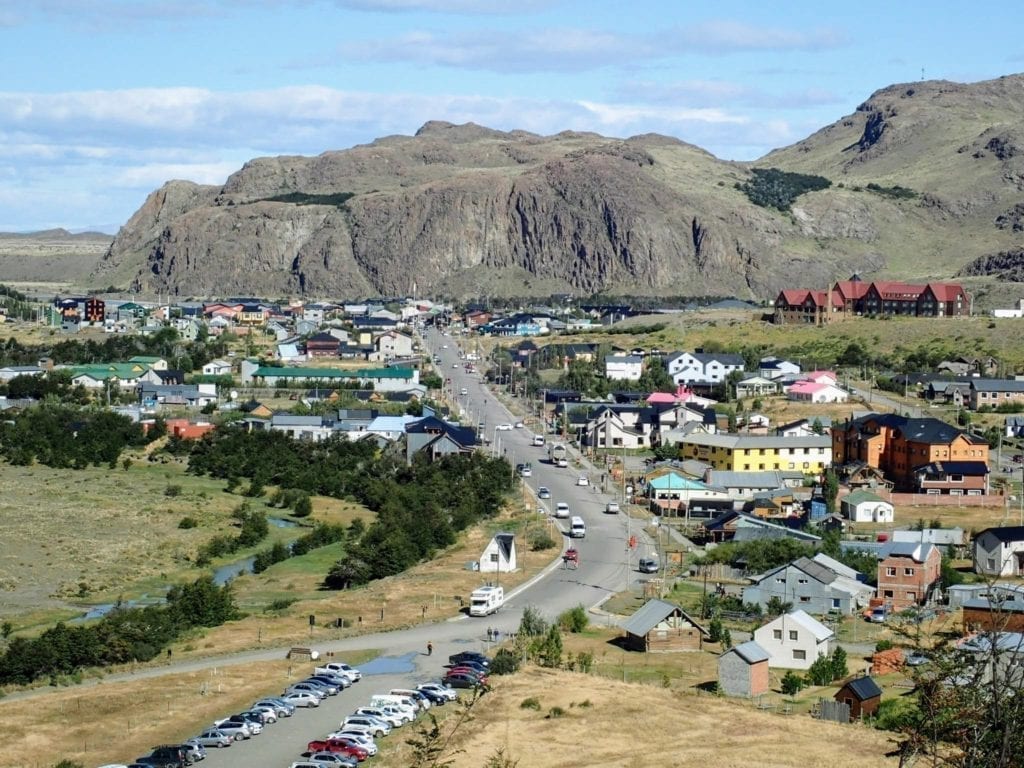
651	614
750	652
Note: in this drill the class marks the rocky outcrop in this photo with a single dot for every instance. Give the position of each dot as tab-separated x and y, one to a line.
1006	266
466	209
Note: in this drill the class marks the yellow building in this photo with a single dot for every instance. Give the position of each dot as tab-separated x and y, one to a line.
759	453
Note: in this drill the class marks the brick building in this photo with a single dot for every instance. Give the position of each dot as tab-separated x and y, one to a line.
849	298
907	573
900	445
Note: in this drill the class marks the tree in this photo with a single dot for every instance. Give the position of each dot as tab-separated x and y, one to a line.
792	683
532	624
303	506
776	606
550	650
830	489
820	672
715	630
838	661
655	378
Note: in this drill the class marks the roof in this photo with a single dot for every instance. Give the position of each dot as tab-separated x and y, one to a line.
919	552
673	481
997	385
864	688
750	652
834	565
811	624
734	441
726	478
985	603
506	542
334	373
973	468
1005	534
653	613
861	496
923	430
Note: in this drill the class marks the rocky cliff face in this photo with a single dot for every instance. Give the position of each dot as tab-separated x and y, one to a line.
472	211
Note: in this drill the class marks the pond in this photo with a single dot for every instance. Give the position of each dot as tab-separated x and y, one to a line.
225	573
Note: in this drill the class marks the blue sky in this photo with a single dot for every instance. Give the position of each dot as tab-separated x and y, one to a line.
101	101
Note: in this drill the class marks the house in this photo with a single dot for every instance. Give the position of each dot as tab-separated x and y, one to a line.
756	386
862	695
739	526
252	315
621	426
393	344
499	556
881	298
623	367
745	485
816	392
1014	426
897	445
701	368
809	454
952	478
775	368
663	626
380	379
217	368
256	409
185	395
811	585
794	640
908	573
12	371
743	671
312	428
802	427
862	506
674	494
156	363
322	345
1000	551
996	392
435	438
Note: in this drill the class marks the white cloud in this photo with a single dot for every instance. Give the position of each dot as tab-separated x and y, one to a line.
713	93
731	36
153	175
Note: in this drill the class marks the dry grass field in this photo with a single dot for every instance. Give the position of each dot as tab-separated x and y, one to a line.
611	723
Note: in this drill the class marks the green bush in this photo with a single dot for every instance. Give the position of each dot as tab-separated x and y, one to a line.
281	604
504	662
303	506
574	620
531	703
772	188
187	522
883	645
554	713
540	540
792	683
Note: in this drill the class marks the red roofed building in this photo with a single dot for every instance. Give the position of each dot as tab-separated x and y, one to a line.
881	298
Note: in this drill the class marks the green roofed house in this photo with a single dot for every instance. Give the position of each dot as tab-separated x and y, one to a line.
863	506
156	363
380	379
672	493
126	375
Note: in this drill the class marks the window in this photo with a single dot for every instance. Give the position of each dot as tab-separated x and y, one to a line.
908	571
912	596
792	634
835	602
780	580
805	599
776	634
801	581
890	571
991	563
799	655
888	593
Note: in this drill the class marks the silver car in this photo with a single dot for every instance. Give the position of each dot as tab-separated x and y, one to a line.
214	737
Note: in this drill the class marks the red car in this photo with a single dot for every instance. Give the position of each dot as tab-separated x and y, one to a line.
339	746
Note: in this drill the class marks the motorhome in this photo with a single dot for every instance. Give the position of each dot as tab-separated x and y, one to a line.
486	600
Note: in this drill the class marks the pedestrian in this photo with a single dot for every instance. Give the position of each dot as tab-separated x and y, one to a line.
490	634
430	648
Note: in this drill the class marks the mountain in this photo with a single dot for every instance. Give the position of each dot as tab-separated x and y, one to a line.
926	177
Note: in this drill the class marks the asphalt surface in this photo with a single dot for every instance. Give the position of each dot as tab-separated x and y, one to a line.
606	566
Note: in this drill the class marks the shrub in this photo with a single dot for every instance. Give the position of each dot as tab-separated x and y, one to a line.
504	662
531	703
792	683
532	624
187	522
883	645
172	490
554	713
715	630
281	604
540	540
303	506
574	620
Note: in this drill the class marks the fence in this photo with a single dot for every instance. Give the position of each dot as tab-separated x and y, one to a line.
828	709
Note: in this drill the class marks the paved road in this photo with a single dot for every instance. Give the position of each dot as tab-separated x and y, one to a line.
606	566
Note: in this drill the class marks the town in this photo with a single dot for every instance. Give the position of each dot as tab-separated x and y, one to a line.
810	514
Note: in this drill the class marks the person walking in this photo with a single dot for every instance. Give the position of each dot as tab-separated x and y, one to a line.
430	649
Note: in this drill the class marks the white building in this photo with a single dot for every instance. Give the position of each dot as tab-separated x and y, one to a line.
1000	551
217	368
623	367
862	506
794	640
702	368
500	554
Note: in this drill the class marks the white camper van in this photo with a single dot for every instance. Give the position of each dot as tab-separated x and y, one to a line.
577	528
486	600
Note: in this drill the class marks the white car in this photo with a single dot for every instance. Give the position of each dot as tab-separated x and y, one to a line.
236	730
393	718
364	740
441	690
543	492
213	738
519	425
504	427
365	724
561	509
582	480
302	699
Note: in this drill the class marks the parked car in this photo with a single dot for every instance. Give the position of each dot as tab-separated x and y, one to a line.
543	492
267	715
214	737
477	656
464	680
439	689
472	664
168	756
341	682
519	425
356	738
252	718
307	687
538	439
366	724
236	729
434	697
878	615
341	746
302	698
281	707
916	659
393	718
333	760
331	689
197	750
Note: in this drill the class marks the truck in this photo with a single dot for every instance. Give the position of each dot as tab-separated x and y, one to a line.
558	455
486	600
338	668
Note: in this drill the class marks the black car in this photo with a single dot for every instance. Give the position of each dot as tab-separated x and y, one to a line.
167	756
479	658
469	664
463	680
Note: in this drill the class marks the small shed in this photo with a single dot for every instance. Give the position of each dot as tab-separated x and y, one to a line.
499	555
863	506
743	670
862	695
663	626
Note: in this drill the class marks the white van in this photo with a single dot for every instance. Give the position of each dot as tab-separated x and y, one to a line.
402	703
422	701
577	528
561	509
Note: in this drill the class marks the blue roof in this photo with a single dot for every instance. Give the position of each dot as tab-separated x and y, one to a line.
673	481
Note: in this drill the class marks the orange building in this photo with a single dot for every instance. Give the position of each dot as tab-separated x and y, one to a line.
899	445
